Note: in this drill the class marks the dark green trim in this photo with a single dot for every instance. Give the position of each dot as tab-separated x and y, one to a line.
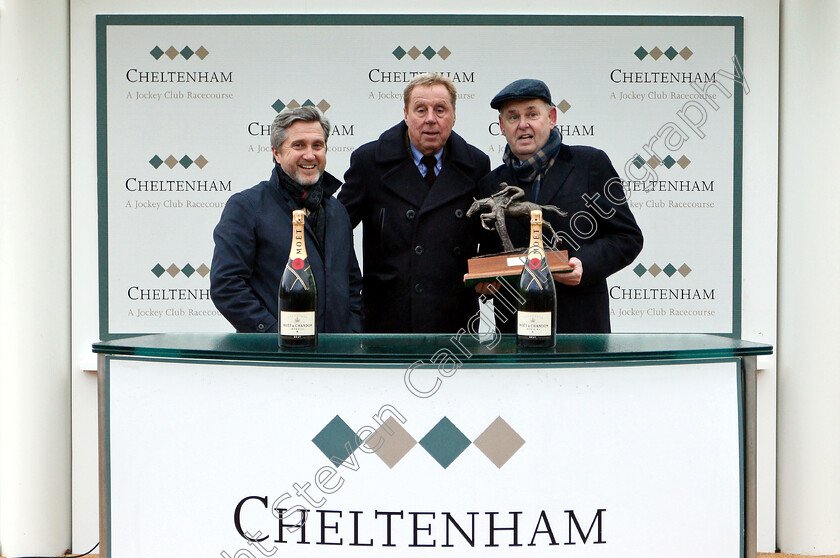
102	168
738	185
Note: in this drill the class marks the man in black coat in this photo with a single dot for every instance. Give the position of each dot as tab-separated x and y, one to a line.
411	190
599	232
254	235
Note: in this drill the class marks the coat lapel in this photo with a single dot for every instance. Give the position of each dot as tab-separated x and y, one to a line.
556	176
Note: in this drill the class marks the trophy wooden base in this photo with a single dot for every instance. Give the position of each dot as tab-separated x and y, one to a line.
509	265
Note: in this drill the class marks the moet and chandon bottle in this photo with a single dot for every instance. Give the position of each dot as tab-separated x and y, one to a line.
297	300
536	316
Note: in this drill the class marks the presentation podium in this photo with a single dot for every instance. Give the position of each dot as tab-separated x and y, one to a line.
427	445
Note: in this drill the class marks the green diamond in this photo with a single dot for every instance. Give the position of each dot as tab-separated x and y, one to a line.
671	53
429	53
638	162
185	161
187	52
156	161
669	161
308	103
337	441
640	53
278	105
669	270
188	270
445	442
398	53
157	52
639	270
158	270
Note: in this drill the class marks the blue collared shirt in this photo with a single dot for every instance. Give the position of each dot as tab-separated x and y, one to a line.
415	153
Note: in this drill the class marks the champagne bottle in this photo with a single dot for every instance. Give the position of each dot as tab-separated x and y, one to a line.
536	316
297	297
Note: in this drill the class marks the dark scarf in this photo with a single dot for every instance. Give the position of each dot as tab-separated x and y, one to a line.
309	198
535	167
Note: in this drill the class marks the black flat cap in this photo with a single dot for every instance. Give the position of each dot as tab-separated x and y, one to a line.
522	89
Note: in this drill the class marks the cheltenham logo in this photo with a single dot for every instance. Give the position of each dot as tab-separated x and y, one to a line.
668	270
656	53
655	161
174	270
444	443
279	105
184	161
414	53
172	53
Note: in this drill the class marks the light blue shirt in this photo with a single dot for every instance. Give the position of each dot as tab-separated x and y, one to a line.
415	153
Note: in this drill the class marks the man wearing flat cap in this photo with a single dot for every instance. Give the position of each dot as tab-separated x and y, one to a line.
599	232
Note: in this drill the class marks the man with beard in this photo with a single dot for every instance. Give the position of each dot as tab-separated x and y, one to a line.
411	189
254	234
600	232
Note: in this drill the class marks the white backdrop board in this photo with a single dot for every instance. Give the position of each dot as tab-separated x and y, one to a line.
184	104
641	460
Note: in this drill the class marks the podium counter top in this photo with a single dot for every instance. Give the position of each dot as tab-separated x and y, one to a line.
355	349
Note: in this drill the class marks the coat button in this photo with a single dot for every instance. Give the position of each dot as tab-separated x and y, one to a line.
418	250
459	213
457	250
418	287
410	214
260	327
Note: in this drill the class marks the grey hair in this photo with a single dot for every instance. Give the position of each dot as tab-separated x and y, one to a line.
284	120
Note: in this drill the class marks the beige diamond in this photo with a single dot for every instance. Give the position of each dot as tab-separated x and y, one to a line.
686	53
170	161
654	162
655	53
654	270
684	161
202	52
172	52
323	106
200	161
499	442
414	52
173	270
684	270
444	52
203	270
391	442
293	104
564	106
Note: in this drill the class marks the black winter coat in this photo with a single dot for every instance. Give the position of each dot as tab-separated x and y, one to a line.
416	246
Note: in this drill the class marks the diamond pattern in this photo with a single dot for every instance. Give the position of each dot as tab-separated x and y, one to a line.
444	53
200	161
323	106
173	270
398	53
564	106
203	270
669	161
429	52
278	105
638	162
188	270
187	52
445	442
641	53
684	270
293	104
414	52
671	53
172	52
156	52
335	439
202	52
640	270
686	53
670	270
185	161
156	161
392	441
654	162
499	442
158	270
656	53
683	161
654	270
308	103
171	162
